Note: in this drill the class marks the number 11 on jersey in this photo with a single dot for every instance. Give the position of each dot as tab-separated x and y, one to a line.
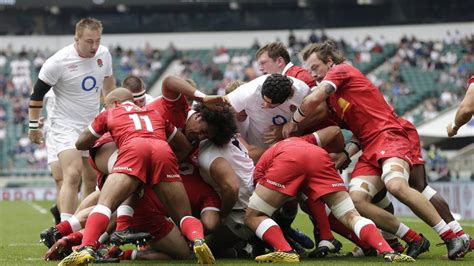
138	124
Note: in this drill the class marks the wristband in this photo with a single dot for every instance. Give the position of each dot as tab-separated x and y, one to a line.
357	144
35	106
347	154
298	116
34	124
199	94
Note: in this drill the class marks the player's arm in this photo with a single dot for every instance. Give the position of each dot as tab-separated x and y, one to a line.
109	85
224	175
343	159
86	140
310	102
34	110
93	132
180	145
464	113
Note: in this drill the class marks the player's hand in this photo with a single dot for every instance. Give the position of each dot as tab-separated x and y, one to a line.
35	136
215	100
272	134
288	128
340	160
452	131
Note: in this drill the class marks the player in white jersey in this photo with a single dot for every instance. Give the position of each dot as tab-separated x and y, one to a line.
78	74
228	168
261	111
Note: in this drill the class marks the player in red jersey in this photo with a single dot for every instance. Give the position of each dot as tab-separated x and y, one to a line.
387	149
281	173
465	111
144	158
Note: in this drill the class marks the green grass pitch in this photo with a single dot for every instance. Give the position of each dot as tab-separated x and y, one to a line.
21	222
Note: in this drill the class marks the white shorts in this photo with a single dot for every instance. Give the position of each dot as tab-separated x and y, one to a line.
236	223
65	136
51	148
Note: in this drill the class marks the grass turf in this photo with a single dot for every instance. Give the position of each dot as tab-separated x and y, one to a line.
21	222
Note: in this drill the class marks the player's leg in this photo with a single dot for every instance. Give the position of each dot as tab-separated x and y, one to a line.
344	210
262	205
71	165
210	219
362	190
57	174
418	181
89	180
176	202
395	175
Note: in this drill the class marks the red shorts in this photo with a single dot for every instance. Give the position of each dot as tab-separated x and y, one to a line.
149	216
300	166
201	195
388	144
414	139
150	160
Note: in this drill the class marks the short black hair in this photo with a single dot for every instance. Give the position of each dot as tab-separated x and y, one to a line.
278	88
221	123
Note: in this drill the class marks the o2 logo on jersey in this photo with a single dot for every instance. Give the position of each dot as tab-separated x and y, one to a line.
279	120
89	83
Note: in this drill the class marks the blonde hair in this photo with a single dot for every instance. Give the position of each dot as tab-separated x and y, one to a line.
89	23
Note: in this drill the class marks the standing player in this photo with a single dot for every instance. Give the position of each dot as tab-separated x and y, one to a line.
281	173
386	160
144	158
273	58
78	74
465	111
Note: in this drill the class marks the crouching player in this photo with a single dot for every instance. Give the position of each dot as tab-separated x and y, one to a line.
282	172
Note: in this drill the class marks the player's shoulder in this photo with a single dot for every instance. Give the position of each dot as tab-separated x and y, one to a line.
62	54
102	50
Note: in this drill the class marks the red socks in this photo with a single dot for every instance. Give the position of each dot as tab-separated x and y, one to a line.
191	228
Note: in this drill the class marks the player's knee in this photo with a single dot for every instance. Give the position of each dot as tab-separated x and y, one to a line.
260	205
394	170
361	191
342	209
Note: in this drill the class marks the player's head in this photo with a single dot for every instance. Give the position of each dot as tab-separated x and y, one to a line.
87	37
117	96
216	125
320	57
276	89
272	58
137	87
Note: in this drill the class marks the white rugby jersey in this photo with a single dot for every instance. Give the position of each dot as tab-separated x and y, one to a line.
77	83
237	155
248	97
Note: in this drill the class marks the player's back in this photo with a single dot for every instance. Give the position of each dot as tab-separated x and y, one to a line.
359	103
174	111
129	121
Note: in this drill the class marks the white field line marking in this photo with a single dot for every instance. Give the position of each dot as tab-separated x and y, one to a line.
417	220
37	207
24	244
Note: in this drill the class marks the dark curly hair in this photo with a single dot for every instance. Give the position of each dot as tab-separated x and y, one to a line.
278	88
222	125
